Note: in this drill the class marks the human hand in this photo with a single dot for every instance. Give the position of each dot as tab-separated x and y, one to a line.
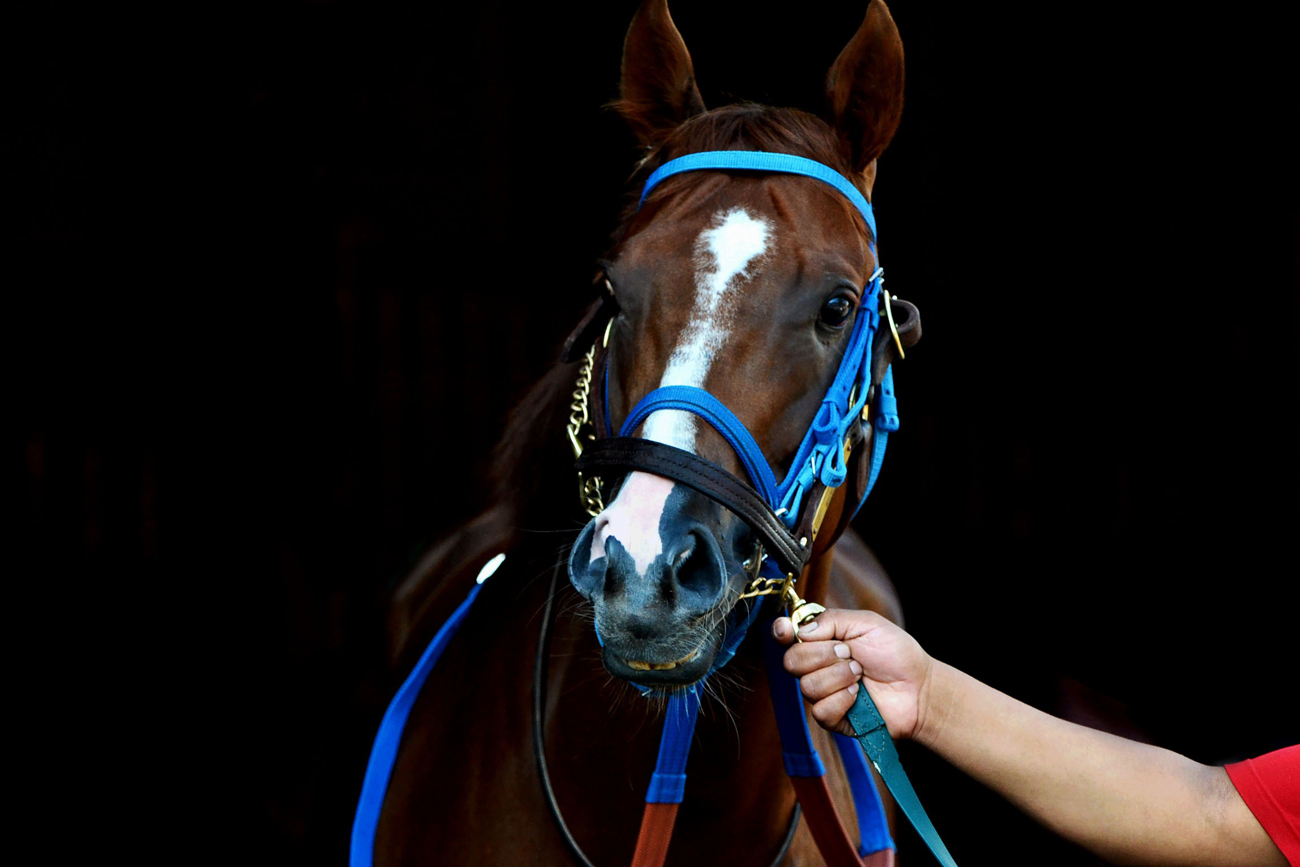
841	649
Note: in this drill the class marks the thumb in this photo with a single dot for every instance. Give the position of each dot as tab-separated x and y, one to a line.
834	624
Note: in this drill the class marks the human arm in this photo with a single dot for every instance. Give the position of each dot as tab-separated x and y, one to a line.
1127	802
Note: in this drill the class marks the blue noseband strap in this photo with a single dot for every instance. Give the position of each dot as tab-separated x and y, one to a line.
723	420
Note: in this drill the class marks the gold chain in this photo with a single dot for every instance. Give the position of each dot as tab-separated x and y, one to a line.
759	586
578	415
589	493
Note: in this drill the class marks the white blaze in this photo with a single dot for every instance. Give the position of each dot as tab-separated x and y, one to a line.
633	519
724	255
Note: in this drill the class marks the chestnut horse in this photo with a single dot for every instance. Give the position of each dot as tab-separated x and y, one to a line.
743	284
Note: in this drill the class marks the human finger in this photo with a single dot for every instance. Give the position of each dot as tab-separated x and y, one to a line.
840	624
783	630
824	682
832	711
802	659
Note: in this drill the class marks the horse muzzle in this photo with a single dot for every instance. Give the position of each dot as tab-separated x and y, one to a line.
659	580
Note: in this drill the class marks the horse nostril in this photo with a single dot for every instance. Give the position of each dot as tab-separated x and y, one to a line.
696	570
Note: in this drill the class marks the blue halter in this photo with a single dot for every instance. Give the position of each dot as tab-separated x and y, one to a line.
820	457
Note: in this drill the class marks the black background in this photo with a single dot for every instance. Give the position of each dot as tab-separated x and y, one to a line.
277	276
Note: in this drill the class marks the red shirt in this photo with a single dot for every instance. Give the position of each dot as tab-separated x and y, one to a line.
1270	786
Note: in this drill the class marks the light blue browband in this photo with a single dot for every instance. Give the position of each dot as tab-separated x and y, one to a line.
762	161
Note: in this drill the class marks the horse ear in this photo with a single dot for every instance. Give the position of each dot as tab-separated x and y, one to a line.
658	88
864	89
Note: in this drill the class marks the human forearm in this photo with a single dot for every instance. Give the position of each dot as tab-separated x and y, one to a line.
1128	802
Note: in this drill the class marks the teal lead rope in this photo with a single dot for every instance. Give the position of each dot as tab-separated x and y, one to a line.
879	747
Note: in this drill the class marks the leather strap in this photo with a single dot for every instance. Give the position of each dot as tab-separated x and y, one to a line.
828	831
630	453
879	747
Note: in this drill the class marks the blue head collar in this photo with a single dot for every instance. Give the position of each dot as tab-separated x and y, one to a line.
820	456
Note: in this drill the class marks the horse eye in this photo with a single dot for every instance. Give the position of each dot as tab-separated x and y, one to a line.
836	311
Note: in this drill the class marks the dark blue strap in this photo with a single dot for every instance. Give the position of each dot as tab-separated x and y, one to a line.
762	161
886	422
873	825
384	752
874	738
801	757
688	398
668	783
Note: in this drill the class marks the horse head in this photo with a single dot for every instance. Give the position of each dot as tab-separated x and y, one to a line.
745	285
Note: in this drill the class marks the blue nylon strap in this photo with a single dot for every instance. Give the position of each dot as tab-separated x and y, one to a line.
820	456
668	783
873	826
698	401
801	758
879	747
761	161
731	643
384	752
886	422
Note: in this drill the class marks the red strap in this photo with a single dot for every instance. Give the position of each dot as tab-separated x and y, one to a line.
818	811
827	829
656	833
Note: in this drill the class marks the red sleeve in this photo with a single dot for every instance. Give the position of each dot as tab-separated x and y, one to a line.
1270	786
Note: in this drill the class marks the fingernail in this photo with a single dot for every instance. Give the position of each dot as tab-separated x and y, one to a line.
855	668
842	651
853	689
808	627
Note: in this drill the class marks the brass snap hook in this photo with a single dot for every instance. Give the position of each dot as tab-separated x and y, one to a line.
801	610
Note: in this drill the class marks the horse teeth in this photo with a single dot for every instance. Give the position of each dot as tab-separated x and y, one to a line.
656	666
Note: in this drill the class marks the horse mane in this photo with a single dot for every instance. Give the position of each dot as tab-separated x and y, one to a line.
530	459
743	126
532	456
